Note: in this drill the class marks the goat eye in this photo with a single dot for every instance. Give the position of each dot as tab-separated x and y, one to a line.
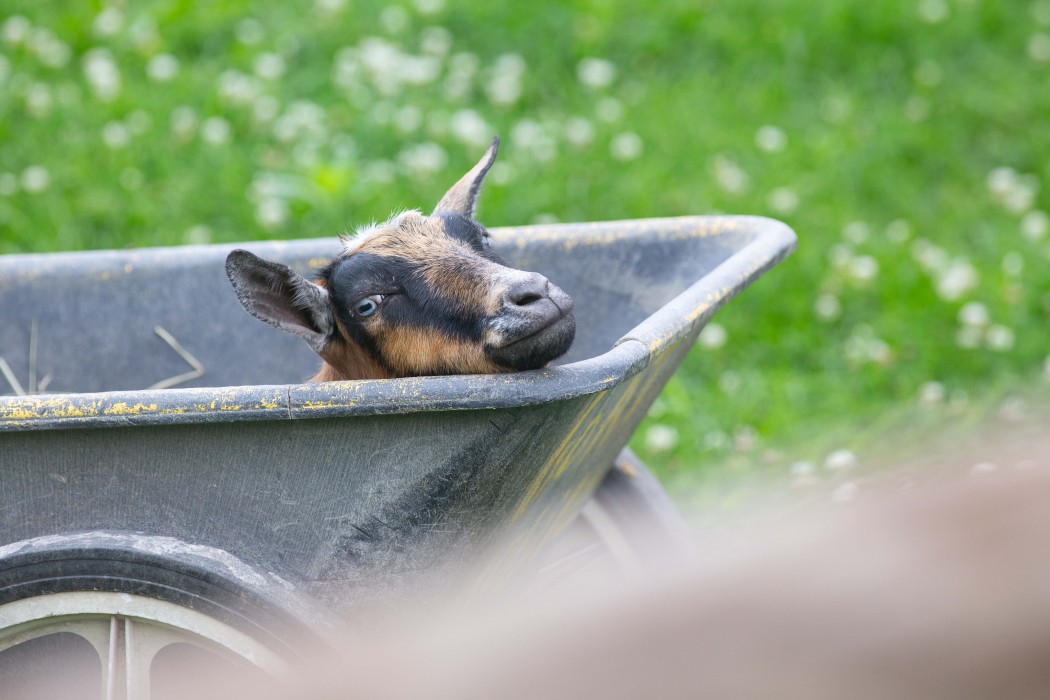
368	306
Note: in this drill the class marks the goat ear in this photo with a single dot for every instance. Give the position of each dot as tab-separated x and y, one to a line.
278	295
463	196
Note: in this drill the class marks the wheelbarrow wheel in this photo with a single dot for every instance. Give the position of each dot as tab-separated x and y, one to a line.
130	616
630	524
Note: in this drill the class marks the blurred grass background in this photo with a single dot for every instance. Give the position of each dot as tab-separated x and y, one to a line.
906	141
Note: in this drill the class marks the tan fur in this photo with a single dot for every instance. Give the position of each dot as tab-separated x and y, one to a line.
344	359
412	351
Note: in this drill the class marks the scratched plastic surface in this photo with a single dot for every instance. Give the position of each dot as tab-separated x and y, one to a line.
341	489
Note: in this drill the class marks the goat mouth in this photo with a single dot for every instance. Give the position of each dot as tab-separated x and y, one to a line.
536	346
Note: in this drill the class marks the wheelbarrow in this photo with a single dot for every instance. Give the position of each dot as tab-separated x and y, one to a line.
167	480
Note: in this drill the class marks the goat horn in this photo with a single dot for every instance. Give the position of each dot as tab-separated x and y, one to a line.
463	196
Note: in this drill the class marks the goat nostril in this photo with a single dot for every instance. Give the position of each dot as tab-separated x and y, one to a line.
528	292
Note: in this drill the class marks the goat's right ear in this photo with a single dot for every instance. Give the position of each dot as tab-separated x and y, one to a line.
278	295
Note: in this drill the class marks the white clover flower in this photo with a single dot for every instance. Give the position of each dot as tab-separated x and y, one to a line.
419	70
1013	264
504	83
958	280
827	307
1039	47
144	36
802	468
840	460
197	235
394	19
116	135
379	171
933	11
15	30
269	65
974	314
1035	225
250	31
162	67
408	119
863	268
346	70
272	213
930	257
856	232
530	136
102	74
301	120
429	7
999	338
8	184
579	132
423	159
729	381
846	492
840	256
545	219
108	22
502	174
435	41
468	127
783	200
609	109
329	8
898	231
931	394
51	50
595	73
183	122
238	88
35	179
626	146
661	438
38	99
771	139
459	78
730	176
1000	180
216	131
713	336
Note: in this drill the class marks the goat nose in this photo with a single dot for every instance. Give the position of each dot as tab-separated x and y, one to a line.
527	290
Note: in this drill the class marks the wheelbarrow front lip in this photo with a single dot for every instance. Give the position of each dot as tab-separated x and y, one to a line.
771	242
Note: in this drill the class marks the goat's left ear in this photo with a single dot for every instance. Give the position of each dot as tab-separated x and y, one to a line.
280	296
463	196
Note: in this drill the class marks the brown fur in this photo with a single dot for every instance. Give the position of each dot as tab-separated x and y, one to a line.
344	360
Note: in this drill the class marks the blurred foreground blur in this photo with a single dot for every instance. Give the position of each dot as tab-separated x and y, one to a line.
939	590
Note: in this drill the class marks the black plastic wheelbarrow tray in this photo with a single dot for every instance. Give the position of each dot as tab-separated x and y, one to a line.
243	490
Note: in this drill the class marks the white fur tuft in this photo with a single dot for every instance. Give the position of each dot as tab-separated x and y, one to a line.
352	243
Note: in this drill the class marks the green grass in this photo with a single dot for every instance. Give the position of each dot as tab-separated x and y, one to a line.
893	124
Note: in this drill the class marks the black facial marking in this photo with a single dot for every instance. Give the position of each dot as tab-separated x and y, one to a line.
472	233
409	302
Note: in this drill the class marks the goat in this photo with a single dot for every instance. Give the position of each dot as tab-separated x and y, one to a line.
416	295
